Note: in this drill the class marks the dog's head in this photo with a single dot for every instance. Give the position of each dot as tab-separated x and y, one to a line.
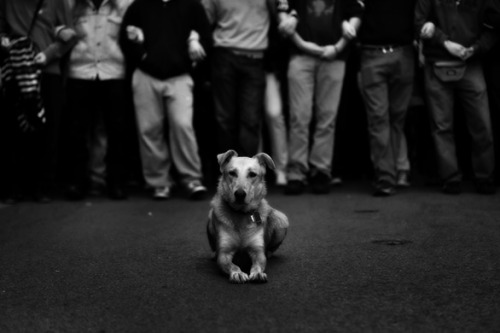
242	182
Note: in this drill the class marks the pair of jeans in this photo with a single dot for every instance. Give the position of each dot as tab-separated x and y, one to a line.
87	101
471	93
238	84
386	82
315	87
164	112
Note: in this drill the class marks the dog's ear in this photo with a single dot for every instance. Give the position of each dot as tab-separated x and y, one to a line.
265	160
223	159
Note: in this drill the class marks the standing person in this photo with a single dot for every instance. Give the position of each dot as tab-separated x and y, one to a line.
156	37
492	73
96	84
31	158
275	65
454	39
240	33
386	81
315	77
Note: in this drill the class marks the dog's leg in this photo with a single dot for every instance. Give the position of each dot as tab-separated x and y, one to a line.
258	265
225	261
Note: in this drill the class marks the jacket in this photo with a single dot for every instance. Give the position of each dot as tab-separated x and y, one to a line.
461	23
97	53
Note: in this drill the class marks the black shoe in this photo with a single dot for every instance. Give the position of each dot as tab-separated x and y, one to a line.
320	183
74	193
42	197
117	193
485	187
452	187
383	188
295	187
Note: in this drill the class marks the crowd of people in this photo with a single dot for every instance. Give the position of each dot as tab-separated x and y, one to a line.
153	90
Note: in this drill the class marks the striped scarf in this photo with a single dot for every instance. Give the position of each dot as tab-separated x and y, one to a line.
21	78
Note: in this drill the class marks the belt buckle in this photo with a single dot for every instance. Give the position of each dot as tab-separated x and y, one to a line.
387	49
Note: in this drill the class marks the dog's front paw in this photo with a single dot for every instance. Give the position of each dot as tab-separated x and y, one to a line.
238	277
258	277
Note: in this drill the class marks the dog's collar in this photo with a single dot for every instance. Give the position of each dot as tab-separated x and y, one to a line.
256	218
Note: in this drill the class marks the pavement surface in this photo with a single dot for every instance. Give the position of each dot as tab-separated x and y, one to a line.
419	261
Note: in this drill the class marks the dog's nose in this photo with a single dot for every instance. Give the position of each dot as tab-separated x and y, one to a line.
240	195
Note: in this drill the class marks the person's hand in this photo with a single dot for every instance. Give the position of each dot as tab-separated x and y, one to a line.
287	25
428	30
5	42
469	52
196	50
329	52
455	49
40	59
66	34
135	34
348	30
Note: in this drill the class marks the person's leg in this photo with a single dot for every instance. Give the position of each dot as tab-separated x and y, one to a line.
328	87
113	110
440	101
81	105
150	115
224	88
250	99
474	100
301	87
374	71
400	92
98	145
53	96
273	107
182	137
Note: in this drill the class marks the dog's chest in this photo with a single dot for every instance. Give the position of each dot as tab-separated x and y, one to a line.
246	231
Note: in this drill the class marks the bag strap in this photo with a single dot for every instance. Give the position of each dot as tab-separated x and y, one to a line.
35	16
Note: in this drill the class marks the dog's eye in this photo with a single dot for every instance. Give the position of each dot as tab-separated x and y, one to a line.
252	174
233	173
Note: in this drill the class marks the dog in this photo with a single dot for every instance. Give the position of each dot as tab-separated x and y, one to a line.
240	219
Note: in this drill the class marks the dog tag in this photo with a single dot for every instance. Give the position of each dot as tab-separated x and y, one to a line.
255	217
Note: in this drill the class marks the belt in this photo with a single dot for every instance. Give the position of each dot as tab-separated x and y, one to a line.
383	48
249	54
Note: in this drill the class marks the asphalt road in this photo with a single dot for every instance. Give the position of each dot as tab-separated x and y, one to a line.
419	261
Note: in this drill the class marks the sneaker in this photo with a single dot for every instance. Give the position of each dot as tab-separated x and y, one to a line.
281	178
295	187
383	188
485	187
452	187
402	180
196	190
161	193
320	183
336	181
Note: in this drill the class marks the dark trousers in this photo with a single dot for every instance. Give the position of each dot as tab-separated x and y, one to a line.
471	93
87	100
238	84
30	163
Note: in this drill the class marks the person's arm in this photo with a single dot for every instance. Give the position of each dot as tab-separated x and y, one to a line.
350	25
307	47
210	11
131	36
65	35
